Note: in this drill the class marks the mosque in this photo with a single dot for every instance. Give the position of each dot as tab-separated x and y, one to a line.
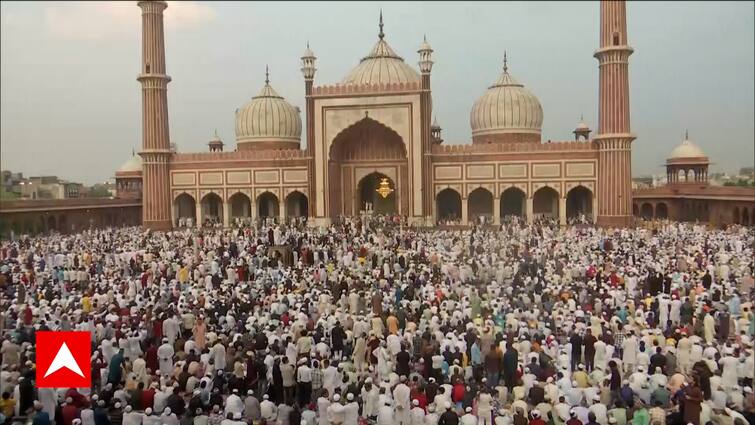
372	146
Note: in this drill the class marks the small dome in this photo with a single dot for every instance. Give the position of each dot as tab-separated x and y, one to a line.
686	150
382	66
268	121
506	112
425	46
582	126
308	53
133	164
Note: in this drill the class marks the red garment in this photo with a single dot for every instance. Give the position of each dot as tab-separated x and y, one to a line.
421	399
148	398
69	413
457	393
573	421
79	400
537	421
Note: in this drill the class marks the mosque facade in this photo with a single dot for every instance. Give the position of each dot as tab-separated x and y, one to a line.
372	146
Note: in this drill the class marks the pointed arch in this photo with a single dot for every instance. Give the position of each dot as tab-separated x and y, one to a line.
297	204
480	204
545	202
367	139
448	204
579	201
512	202
268	205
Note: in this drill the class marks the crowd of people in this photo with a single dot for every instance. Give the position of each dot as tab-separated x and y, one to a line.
374	321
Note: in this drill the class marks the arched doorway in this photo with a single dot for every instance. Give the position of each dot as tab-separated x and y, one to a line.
745	217
268	205
212	209
661	211
735	215
186	208
579	202
448	205
381	203
480	204
512	202
367	141
51	224
545	202
635	210
646	211
241	207
296	204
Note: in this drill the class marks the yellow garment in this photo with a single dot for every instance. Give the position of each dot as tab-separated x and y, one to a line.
86	304
183	275
581	378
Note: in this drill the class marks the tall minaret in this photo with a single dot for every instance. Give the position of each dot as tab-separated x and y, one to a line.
614	138
308	69
425	112
156	151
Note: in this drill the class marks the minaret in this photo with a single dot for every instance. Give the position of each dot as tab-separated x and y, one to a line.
156	153
308	70
614	139
425	114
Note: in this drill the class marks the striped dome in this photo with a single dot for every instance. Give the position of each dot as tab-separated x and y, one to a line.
381	66
270	119
506	108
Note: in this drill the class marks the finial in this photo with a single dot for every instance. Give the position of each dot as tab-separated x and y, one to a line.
686	134
267	75
381	34
132	152
582	117
216	133
307	44
505	62
424	38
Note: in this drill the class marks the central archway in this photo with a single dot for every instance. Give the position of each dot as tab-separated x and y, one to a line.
367	146
368	193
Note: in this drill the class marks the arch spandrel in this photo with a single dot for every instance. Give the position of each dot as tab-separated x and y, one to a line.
396	118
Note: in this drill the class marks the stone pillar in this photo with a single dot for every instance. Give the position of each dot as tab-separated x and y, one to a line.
464	211
496	210
562	211
253	212
529	210
226	214
282	211
594	207
199	214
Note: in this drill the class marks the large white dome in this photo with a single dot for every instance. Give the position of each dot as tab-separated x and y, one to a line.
381	66
268	122
507	111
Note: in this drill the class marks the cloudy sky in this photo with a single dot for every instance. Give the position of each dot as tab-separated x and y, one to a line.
70	104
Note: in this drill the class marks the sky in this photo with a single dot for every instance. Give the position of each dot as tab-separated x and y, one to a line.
70	104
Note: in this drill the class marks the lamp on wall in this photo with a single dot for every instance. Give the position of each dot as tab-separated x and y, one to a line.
385	188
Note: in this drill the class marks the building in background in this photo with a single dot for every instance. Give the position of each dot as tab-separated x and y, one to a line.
372	145
689	196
